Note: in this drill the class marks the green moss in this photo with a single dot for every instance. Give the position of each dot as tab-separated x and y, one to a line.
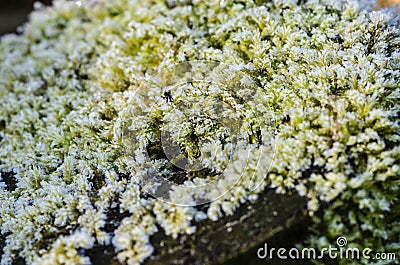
304	95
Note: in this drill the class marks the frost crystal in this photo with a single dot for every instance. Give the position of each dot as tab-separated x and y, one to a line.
82	121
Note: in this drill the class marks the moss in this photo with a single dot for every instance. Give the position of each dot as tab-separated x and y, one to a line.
293	95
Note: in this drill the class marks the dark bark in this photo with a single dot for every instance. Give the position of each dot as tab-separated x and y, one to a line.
279	220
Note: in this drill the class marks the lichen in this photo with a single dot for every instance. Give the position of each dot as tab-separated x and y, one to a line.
322	119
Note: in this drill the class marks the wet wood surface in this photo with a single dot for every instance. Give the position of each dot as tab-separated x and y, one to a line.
277	219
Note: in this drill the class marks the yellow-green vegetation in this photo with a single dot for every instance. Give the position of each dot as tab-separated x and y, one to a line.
80	75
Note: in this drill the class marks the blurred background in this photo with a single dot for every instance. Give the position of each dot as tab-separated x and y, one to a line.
15	12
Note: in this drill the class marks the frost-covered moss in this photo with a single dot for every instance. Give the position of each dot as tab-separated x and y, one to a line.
326	71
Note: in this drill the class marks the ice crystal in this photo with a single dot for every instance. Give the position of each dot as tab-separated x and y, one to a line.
317	100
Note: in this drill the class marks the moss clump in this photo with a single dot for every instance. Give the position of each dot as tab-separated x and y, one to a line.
312	88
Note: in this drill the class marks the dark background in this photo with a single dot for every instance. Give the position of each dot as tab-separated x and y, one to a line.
14	13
